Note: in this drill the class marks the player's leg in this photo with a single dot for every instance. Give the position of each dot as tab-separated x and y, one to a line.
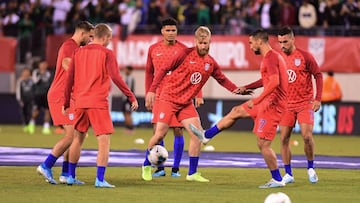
237	112
178	150
160	133
65	144
286	125
265	125
270	159
81	126
46	127
129	126
194	151
34	114
160	171
306	121
309	145
102	125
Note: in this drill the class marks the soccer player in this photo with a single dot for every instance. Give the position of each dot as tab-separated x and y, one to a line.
89	79
266	110
159	53
82	35
190	69
301	66
41	77
25	95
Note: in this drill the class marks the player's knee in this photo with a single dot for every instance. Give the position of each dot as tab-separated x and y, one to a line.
237	112
178	131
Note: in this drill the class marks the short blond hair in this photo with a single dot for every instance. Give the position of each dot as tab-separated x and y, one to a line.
202	32
102	30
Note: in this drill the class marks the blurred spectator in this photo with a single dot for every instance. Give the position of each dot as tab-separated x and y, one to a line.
348	10
61	9
25	96
203	14
331	89
10	20
26	28
332	14
42	80
287	13
190	13
154	15
173	8
216	12
126	9
307	15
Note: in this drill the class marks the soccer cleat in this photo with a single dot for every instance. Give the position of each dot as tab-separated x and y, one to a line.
197	178
159	173
46	131
313	178
63	178
31	128
73	181
103	184
199	133
175	174
146	173
272	184
288	179
46	173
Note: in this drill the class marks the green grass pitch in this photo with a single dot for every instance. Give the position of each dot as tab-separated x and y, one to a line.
22	184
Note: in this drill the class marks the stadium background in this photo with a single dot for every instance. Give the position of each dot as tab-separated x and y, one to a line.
335	47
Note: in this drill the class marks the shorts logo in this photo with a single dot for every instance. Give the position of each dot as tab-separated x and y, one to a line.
71	116
291	76
195	78
297	62
261	126
162	115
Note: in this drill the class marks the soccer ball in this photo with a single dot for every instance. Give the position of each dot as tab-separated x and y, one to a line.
158	155
277	198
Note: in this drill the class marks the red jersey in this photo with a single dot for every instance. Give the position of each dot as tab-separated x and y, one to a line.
273	63
301	66
90	71
189	74
56	90
159	54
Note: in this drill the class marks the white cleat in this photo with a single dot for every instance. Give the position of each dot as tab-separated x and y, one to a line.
199	133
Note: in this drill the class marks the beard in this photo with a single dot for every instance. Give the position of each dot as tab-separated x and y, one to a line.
257	52
202	52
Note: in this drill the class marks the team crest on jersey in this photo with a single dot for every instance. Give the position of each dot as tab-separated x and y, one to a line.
297	62
207	66
195	78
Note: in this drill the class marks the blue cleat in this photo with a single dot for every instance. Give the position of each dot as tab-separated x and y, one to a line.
199	133
272	184
159	173
103	184
73	181
175	174
46	173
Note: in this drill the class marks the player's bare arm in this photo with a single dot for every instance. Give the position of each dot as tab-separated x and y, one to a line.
316	105
134	105
149	101
199	102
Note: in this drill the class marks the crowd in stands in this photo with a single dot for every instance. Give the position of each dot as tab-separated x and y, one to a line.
27	18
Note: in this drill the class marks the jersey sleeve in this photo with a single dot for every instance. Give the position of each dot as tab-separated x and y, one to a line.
315	71
115	75
69	82
149	71
172	65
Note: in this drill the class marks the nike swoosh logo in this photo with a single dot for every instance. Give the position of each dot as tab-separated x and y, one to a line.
192	62
159	54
